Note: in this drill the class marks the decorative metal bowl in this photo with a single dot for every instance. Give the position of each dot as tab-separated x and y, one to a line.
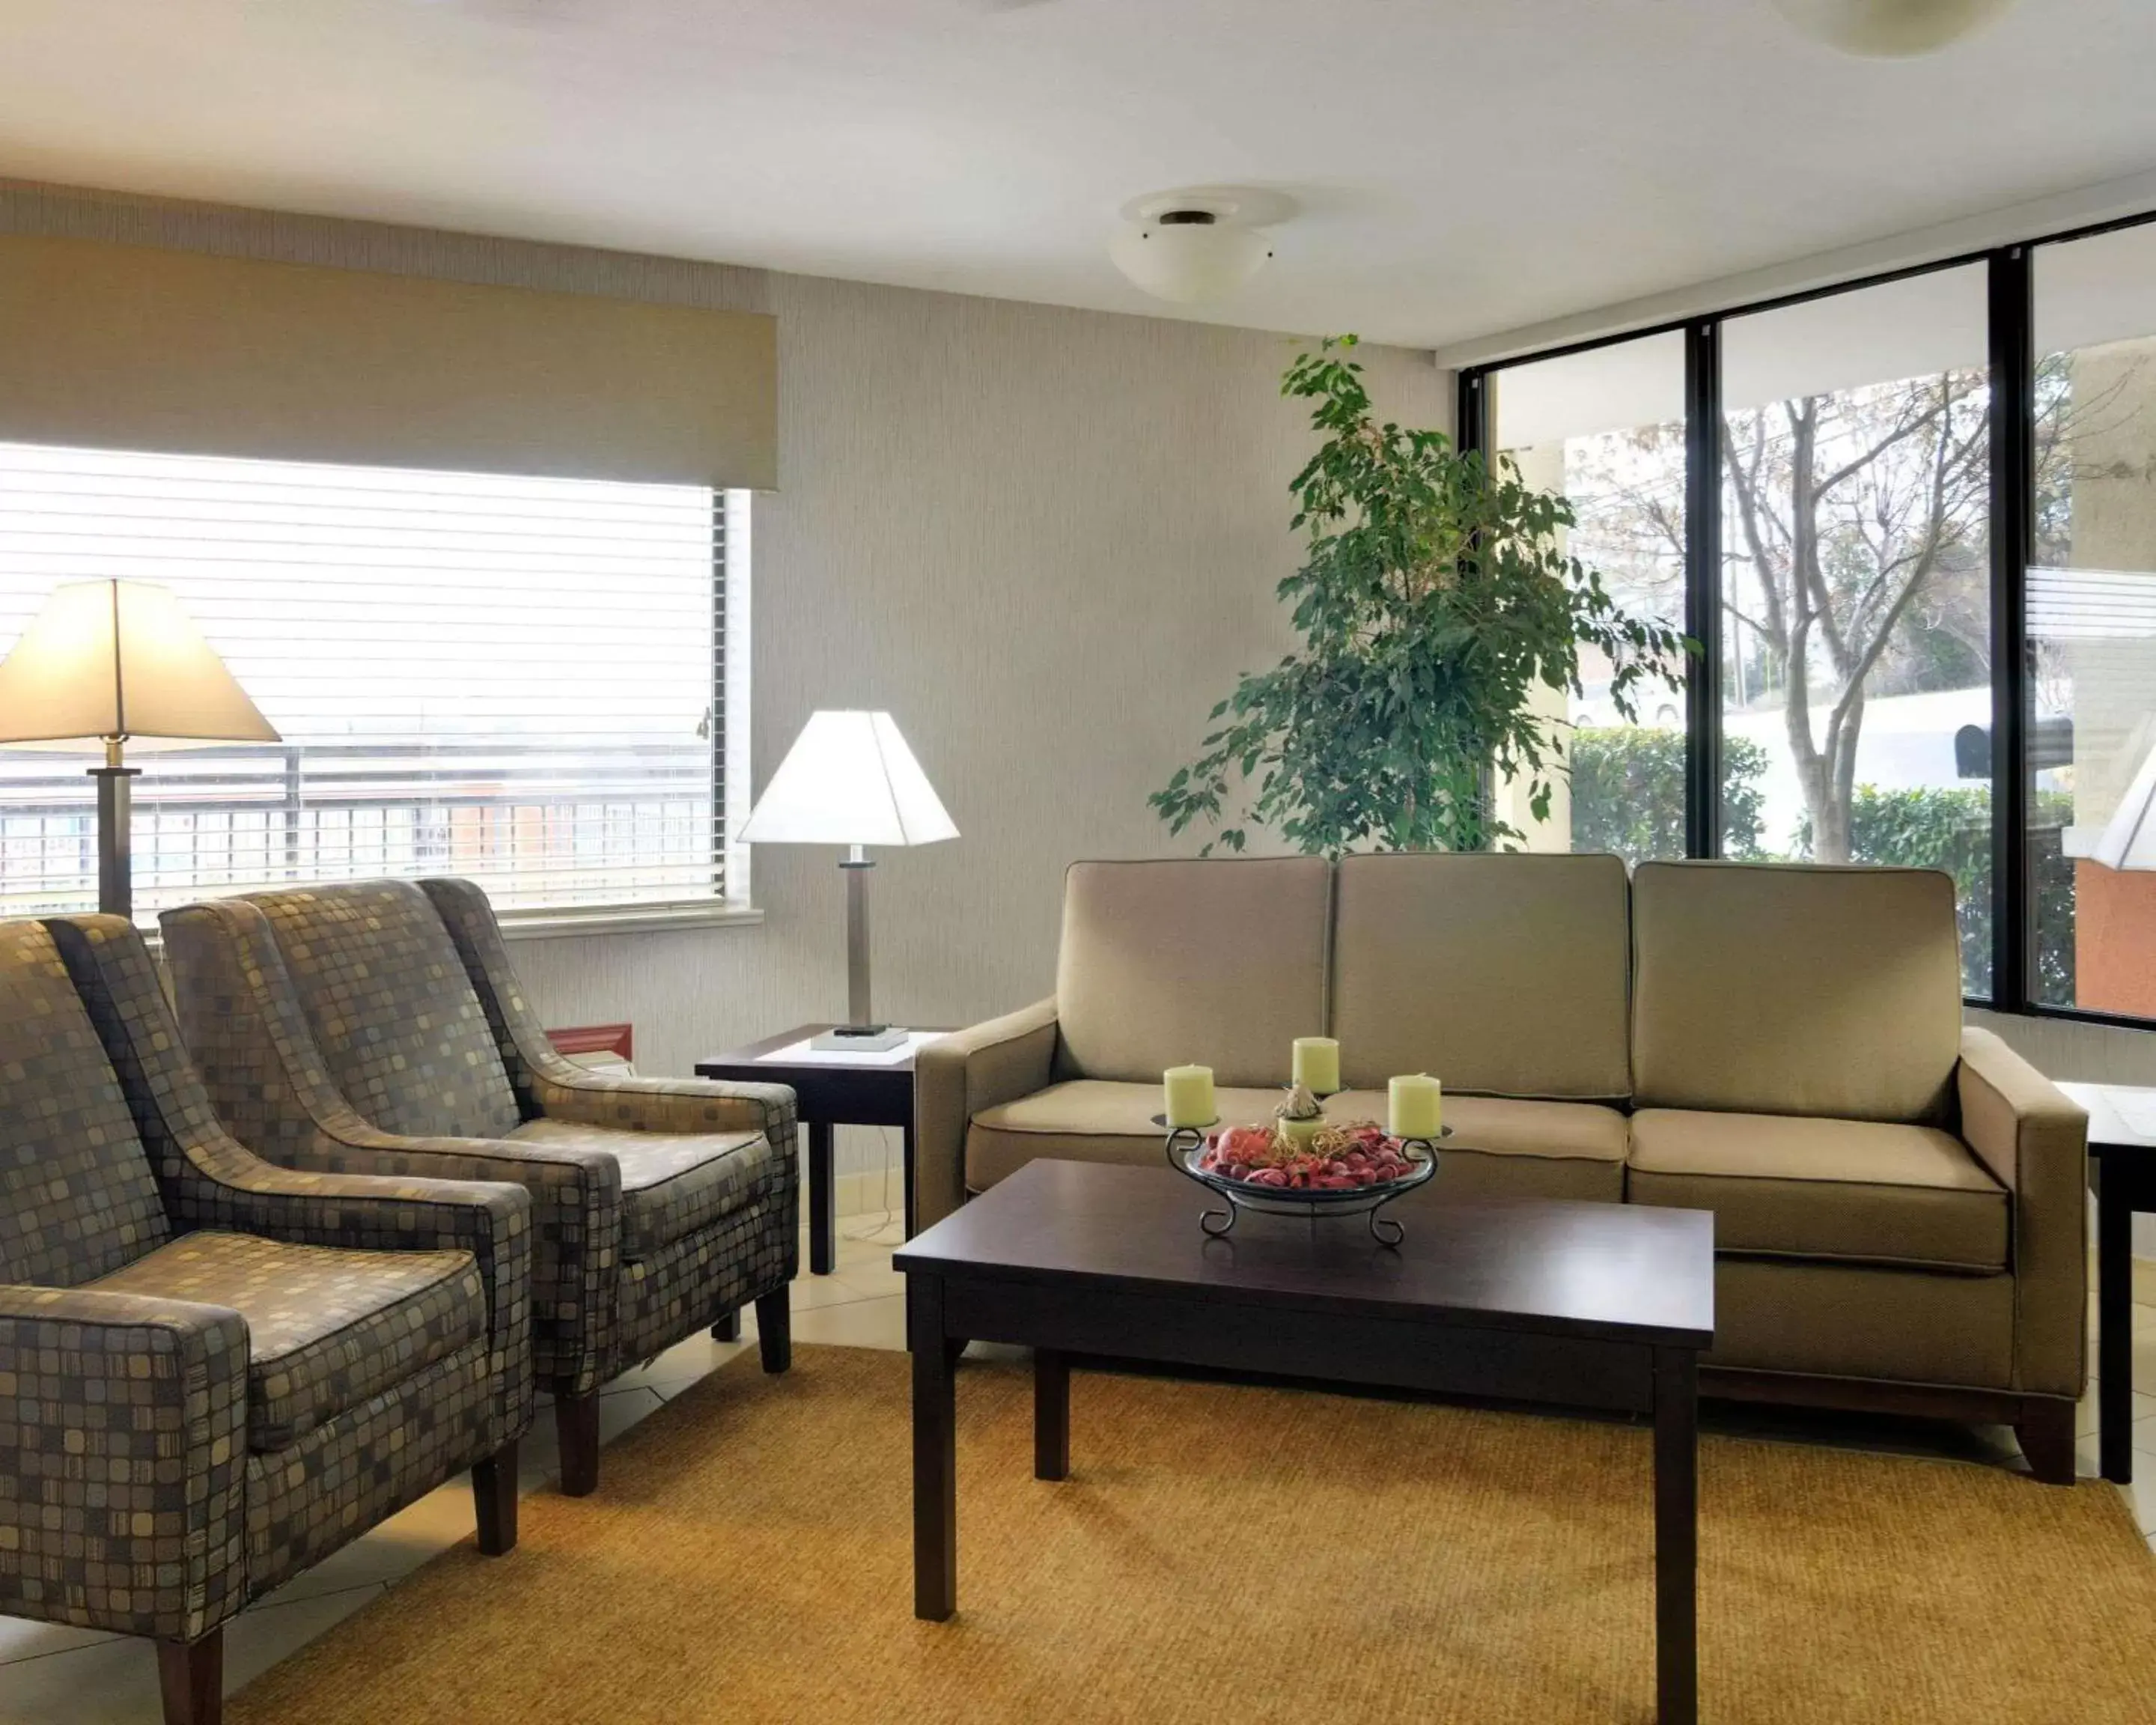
1187	1145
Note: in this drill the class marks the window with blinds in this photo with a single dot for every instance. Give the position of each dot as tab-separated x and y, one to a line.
521	681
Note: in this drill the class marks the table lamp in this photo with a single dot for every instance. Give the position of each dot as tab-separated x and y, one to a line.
850	779
109	661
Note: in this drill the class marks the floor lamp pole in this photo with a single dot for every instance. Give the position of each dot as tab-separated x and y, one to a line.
116	821
856	867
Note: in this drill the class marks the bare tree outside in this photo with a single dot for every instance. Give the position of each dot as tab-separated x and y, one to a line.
1852	514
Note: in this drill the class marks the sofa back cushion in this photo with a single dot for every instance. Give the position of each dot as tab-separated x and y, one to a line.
1503	975
393	1010
1218	963
77	1197
1771	988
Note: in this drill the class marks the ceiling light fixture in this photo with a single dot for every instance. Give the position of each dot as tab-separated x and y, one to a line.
1890	30
1194	246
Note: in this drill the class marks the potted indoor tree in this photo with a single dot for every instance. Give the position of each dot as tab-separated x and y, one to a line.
1435	597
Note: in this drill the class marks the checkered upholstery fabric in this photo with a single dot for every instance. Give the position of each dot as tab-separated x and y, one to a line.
394	1017
550	1085
76	1198
640	1186
327	1327
137	1493
671	1185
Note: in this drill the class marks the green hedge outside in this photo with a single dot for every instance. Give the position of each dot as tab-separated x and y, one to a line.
1628	797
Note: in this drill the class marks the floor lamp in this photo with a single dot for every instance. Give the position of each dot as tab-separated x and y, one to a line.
107	662
850	779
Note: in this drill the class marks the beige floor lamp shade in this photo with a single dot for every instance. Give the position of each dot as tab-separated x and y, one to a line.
108	661
850	779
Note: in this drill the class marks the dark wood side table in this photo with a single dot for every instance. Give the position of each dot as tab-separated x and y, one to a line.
1579	1305
866	1091
2121	1143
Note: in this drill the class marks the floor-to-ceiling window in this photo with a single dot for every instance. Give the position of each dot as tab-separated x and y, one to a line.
2092	838
1606	427
1856	583
1914	521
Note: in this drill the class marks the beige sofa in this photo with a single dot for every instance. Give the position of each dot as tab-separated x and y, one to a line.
1898	1201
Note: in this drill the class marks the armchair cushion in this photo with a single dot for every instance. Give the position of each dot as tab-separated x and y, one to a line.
326	1328
1853	1190
671	1184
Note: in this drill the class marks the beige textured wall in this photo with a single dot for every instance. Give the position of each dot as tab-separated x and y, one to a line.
1045	539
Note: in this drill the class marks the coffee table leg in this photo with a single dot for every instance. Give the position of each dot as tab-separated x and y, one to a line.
2114	1319
935	1451
823	1223
1676	1535
1051	1414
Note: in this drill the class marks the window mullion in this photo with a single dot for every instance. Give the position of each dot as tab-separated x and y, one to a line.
1703	577
2013	372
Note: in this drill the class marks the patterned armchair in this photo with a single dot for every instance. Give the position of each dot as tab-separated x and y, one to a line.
375	1026
214	1372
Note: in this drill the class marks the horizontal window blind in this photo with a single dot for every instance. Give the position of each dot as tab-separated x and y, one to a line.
514	680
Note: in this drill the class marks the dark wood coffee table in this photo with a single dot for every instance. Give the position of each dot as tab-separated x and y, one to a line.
1582	1306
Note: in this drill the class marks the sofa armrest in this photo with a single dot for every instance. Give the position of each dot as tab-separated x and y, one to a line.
2035	1140
123	1457
954	1078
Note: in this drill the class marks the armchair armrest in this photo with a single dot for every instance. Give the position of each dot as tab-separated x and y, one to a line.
123	1457
954	1078
564	1091
574	1228
2035	1142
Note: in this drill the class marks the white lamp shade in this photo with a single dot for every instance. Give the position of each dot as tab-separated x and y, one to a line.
849	779
1191	262
121	659
1890	28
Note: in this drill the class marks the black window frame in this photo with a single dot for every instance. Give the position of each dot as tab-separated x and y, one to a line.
2010	314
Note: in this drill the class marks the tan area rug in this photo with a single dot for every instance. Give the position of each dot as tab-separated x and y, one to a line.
1226	1553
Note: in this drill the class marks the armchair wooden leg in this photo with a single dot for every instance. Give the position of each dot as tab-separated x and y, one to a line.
2046	1431
577	1426
494	1501
774	1331
727	1328
191	1674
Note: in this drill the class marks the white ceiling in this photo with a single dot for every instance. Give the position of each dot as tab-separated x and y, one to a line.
1464	166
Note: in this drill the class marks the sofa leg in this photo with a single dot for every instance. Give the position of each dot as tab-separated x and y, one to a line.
774	1331
2046	1431
577	1427
191	1674
494	1501
727	1328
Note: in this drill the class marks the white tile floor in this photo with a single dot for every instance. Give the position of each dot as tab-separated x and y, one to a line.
66	1677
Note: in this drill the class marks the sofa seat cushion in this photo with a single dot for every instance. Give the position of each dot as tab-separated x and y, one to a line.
327	1327
1089	1120
1505	1126
1790	1186
672	1183
1085	1120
